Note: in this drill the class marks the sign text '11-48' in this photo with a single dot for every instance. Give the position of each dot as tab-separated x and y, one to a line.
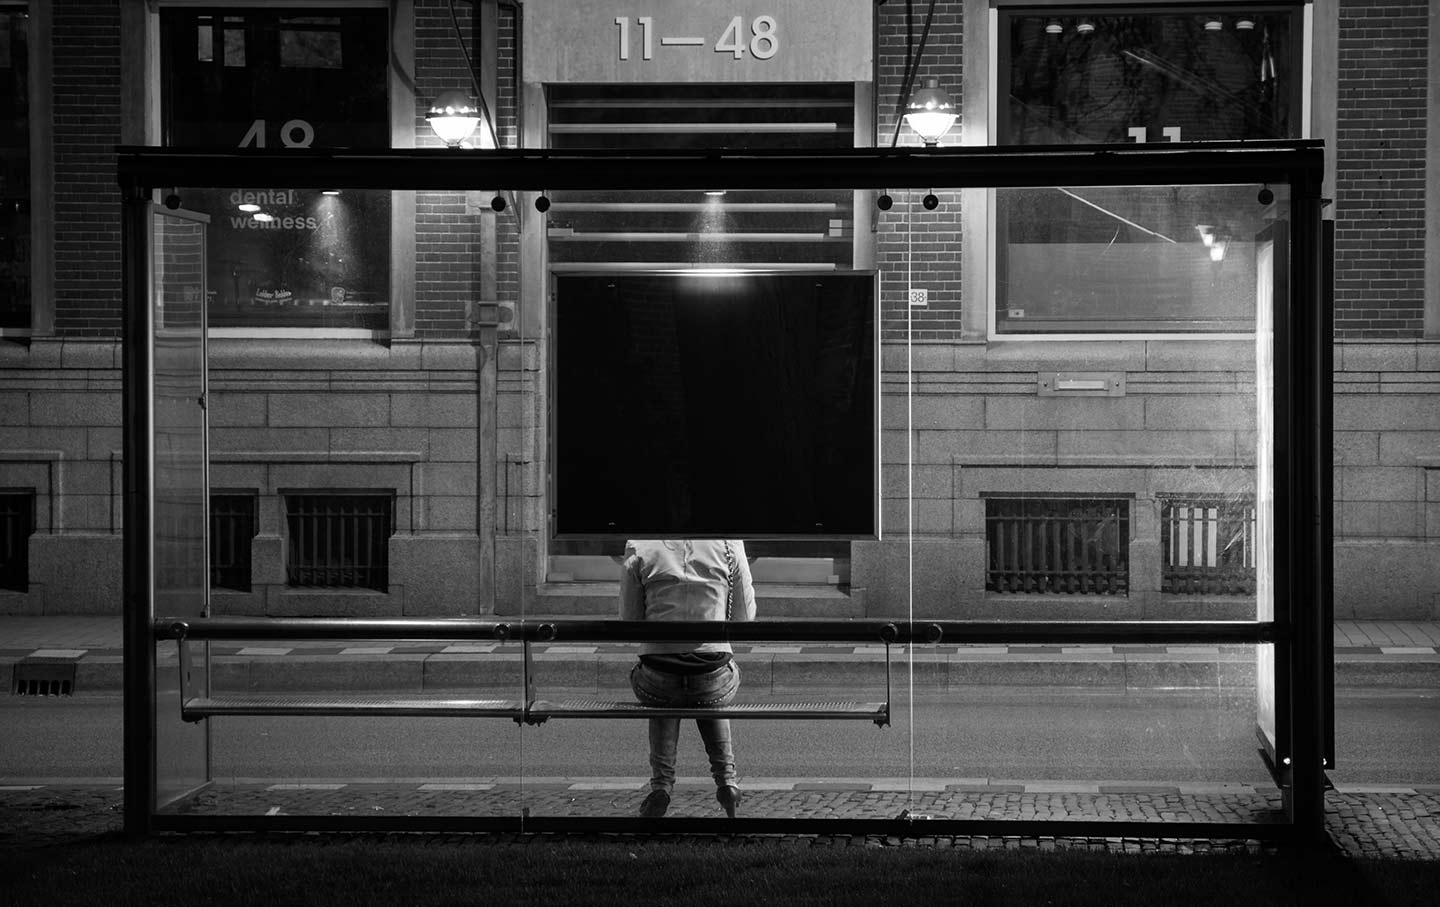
761	40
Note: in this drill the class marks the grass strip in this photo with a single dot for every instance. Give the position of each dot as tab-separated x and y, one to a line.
430	870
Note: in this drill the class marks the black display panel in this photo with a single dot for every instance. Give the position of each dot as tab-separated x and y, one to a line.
734	405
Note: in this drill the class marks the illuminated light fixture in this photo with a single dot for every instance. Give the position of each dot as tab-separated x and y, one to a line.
1053	27
1207	234
262	217
249	207
453	117
329	191
1218	247
1213	23
715	193
1245	23
1085	26
930	112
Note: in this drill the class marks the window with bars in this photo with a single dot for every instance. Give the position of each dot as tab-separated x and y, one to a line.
735	228
1208	546
1075	546
17	522
339	540
232	526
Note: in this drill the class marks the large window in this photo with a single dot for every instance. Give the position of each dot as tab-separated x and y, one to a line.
1076	259
285	78
15	230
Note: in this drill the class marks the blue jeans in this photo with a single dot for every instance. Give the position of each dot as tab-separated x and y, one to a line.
718	687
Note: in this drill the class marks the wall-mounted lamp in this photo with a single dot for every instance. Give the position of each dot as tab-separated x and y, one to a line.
930	112
1213	23
1053	27
1218	247
1085	26
1207	234
1245	23
454	117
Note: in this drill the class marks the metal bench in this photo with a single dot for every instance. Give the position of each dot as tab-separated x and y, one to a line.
531	710
194	708
538	711
542	710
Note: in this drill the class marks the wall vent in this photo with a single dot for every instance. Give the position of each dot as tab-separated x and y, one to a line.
44	678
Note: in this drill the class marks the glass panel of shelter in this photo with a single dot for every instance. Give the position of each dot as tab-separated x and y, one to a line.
1078	477
178	485
1101	469
281	748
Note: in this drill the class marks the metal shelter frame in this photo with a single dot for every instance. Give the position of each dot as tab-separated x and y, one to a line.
1300	631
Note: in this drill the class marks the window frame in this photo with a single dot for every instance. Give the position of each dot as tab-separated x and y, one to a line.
145	68
40	72
980	126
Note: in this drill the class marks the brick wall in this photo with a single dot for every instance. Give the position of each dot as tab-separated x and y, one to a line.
507	259
934	249
447	224
87	198
1380	169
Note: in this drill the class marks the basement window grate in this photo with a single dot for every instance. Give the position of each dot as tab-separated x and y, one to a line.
44	678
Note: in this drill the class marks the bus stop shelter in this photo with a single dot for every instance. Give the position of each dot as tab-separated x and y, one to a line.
171	695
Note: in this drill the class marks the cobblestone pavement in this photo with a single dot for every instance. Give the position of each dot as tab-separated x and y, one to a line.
1394	824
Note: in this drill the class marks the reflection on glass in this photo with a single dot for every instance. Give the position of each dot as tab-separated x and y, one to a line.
298	258
1128	259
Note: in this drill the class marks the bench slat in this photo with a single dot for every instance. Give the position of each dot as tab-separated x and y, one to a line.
599	708
282	704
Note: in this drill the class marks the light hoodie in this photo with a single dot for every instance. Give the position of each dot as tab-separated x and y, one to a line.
684	579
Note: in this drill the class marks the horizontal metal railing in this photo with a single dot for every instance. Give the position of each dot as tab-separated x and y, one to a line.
954	632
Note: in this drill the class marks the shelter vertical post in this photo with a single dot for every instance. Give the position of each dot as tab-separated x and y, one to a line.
137	528
1309	566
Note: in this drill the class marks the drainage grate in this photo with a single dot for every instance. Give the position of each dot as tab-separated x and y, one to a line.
44	678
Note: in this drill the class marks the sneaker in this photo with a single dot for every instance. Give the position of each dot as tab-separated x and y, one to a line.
728	796
655	805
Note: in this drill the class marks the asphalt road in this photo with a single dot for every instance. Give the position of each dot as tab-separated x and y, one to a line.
1389	738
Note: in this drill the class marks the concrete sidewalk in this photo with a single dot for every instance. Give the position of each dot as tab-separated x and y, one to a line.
1368	654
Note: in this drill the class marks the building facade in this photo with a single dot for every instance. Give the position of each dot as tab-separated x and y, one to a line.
382	364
